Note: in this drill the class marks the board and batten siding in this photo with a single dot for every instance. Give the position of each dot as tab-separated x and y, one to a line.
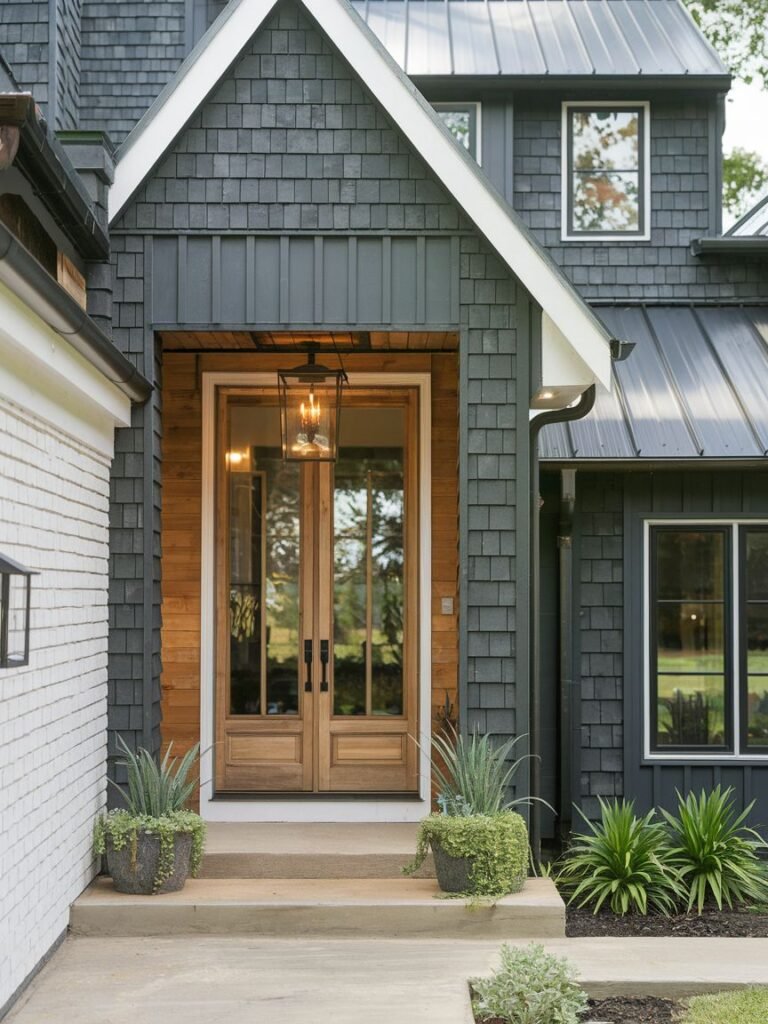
54	512
610	512
182	510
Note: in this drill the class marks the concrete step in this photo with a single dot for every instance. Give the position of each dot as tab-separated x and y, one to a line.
330	908
310	850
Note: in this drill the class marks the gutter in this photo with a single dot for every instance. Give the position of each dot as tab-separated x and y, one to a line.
581	409
44	163
28	280
733	245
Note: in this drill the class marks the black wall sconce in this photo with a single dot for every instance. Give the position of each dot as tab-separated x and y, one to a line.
15	594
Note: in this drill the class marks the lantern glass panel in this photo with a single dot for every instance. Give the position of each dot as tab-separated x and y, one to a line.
309	403
17	620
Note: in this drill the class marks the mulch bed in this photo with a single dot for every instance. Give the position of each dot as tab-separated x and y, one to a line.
711	922
643	1010
618	1010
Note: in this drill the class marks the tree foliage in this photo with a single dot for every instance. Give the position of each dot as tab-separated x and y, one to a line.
745	179
737	30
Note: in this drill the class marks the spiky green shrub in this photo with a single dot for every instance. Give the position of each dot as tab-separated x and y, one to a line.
473	774
156	789
496	843
530	986
714	851
745	1006
623	861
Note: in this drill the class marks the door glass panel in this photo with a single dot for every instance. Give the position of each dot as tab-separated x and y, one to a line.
264	552
369	563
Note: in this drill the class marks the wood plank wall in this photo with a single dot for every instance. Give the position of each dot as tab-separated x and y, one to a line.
181	522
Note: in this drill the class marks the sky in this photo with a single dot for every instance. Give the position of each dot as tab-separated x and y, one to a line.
746	119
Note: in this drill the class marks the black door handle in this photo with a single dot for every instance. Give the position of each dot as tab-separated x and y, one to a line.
324	657
308	663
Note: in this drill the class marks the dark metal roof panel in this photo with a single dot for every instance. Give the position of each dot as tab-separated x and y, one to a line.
695	386
541	37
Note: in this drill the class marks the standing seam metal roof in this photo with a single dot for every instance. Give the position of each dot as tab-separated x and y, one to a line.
541	37
752	224
695	386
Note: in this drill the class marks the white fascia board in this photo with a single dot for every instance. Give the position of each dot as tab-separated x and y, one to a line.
561	364
195	80
41	372
415	119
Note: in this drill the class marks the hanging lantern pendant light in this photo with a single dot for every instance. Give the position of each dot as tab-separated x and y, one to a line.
310	407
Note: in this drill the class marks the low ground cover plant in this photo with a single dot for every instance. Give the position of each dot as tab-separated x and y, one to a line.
744	1006
665	864
530	986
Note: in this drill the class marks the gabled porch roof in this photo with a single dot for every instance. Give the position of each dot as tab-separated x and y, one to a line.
457	172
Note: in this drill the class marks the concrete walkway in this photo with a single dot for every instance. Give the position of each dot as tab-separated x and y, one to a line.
221	980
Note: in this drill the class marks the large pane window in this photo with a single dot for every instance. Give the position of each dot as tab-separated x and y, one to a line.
605	167
708	639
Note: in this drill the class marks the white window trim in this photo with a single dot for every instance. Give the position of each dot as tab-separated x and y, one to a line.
314	808
448	105
565	184
737	755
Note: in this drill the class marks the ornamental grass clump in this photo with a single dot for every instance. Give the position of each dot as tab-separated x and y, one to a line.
154	801
622	862
530	986
715	853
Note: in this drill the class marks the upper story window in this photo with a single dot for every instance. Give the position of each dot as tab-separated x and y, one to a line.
707	665
606	170
463	122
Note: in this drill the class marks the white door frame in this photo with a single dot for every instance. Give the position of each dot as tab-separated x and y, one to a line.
313	808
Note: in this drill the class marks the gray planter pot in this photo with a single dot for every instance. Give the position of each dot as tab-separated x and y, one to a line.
454	874
138	877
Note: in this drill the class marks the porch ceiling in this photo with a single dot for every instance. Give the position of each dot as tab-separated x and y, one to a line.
299	341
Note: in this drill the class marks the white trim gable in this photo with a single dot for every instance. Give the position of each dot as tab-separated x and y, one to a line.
415	118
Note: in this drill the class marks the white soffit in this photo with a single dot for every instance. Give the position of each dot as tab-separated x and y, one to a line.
44	374
221	46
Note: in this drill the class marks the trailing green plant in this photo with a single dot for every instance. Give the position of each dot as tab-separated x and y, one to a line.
530	986
744	1006
497	844
714	851
624	861
122	828
156	789
472	773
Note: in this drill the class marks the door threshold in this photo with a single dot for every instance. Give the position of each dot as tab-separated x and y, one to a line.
312	807
312	797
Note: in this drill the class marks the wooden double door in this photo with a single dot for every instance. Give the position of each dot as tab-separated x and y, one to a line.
317	601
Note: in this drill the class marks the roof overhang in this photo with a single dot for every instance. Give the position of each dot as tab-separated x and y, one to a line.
415	118
43	162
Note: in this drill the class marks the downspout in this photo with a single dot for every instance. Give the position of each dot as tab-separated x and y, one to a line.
578	411
566	674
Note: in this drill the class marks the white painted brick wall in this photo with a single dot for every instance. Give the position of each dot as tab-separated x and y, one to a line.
54	504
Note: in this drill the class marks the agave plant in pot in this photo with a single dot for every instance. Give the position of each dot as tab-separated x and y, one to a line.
478	841
153	843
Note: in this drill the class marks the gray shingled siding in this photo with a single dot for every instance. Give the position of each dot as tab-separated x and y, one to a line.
292	142
68	13
134	639
24	37
680	209
598	579
129	52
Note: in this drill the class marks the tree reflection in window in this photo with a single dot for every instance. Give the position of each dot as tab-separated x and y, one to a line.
605	170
